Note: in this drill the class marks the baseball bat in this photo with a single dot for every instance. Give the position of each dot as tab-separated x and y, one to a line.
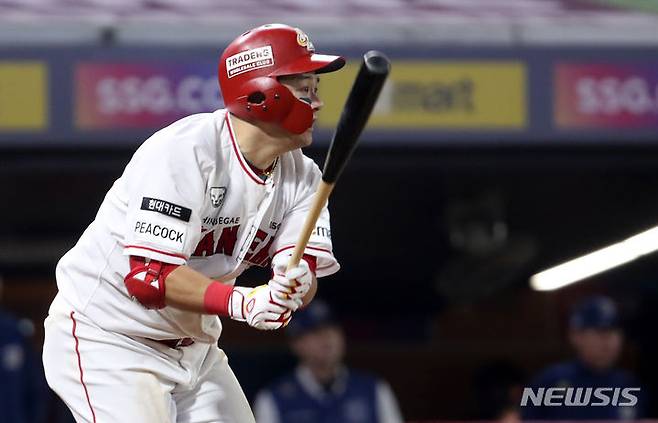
360	102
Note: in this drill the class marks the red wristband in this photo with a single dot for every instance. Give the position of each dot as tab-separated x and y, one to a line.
216	298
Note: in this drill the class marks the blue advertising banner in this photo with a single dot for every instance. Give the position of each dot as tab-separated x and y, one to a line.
435	96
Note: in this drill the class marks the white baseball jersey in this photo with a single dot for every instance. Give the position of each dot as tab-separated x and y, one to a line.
188	196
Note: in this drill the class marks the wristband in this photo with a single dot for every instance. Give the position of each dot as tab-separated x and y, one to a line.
216	298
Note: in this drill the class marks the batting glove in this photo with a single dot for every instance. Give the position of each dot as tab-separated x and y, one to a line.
258	307
293	284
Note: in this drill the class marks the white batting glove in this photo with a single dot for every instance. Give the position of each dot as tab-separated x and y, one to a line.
293	284
258	307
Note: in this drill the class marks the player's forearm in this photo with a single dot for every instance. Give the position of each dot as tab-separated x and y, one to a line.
190	290
157	284
187	288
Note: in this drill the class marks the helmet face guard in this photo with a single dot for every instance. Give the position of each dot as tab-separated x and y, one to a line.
250	66
267	100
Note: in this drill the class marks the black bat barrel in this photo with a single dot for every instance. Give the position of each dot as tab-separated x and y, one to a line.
360	102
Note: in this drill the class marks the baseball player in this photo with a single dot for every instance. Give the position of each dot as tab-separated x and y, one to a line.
132	334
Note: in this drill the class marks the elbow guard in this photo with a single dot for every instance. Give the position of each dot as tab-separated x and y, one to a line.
146	281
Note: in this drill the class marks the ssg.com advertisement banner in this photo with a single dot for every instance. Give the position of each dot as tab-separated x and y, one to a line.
437	96
142	95
471	95
604	95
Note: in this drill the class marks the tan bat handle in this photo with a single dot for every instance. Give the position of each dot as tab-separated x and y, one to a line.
321	196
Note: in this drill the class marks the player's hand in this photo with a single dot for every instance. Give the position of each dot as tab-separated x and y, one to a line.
293	284
258	307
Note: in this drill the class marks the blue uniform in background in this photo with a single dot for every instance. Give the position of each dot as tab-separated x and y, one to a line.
352	398
23	394
574	374
597	313
349	397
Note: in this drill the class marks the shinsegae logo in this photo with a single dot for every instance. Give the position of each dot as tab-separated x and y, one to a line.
579	397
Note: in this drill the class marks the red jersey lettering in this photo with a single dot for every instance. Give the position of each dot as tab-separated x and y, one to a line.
205	246
227	240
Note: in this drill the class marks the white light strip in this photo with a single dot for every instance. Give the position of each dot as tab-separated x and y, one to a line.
596	262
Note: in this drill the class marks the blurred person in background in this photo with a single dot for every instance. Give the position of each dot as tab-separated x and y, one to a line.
322	389
23	394
597	338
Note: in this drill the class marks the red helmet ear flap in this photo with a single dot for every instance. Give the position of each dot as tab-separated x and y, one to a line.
300	117
267	100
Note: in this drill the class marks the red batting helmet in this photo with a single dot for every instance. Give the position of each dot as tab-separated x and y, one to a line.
250	65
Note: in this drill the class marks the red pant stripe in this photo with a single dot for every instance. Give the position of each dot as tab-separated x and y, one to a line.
77	351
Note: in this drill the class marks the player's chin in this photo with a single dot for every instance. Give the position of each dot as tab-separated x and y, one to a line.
305	139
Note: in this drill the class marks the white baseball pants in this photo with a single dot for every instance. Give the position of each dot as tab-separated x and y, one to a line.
104	377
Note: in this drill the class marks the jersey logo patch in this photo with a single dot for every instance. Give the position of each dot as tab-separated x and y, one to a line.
166	208
217	195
